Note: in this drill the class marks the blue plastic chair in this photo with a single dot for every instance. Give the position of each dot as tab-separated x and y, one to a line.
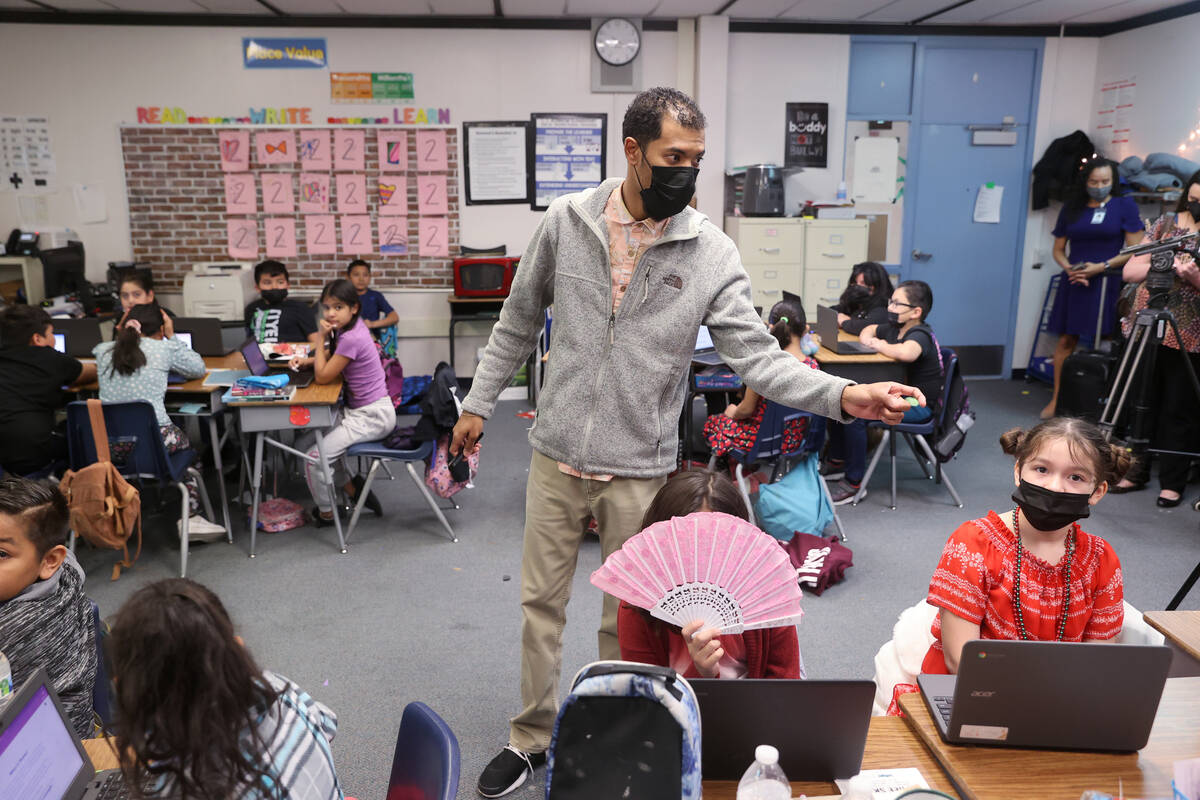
426	763
767	450
380	454
915	433
102	688
149	460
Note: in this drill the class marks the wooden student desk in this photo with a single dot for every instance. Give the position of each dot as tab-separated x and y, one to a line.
890	745
1182	632
1008	772
311	408
867	368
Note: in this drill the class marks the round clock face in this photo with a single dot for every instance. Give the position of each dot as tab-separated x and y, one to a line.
617	41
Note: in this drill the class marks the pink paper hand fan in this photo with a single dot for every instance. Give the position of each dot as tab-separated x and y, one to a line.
708	566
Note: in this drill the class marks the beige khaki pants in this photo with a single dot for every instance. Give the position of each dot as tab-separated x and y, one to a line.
557	507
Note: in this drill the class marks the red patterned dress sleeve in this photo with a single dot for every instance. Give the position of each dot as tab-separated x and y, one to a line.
959	585
1108	592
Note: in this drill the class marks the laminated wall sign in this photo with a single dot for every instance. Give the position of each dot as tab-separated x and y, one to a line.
807	135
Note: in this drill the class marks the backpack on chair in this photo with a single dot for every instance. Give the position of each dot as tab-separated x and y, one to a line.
105	508
625	730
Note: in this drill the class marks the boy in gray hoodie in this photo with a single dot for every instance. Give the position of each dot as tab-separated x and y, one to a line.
45	618
632	273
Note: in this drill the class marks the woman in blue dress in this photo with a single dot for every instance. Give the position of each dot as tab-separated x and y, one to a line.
1094	225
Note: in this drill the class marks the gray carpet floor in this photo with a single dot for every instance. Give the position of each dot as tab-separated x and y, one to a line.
407	615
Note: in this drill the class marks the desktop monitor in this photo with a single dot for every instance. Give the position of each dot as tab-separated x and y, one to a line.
60	342
62	270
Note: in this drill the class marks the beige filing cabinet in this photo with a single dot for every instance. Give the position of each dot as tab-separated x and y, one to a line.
810	257
772	250
831	249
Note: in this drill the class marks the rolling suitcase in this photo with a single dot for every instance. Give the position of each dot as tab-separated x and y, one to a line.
1087	374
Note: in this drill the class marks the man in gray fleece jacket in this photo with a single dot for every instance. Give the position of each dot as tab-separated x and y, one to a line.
632	273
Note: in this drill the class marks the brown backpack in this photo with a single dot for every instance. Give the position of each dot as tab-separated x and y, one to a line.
105	508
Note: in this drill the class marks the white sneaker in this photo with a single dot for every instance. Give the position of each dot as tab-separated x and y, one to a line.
201	530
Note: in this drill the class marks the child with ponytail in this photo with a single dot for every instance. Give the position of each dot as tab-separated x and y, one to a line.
135	366
1032	573
737	427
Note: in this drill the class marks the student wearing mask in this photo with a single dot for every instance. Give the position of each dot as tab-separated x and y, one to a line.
273	317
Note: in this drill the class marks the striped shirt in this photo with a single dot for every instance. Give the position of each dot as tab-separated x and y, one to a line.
296	731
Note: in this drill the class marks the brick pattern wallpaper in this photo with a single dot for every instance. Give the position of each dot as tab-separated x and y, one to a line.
177	214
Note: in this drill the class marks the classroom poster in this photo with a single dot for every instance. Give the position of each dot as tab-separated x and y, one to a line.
431	195
26	156
240	194
275	147
314	193
351	193
393	236
314	152
433	237
278	194
393	151
356	235
235	150
349	152
393	196
806	138
281	237
431	150
243	238
568	155
320	235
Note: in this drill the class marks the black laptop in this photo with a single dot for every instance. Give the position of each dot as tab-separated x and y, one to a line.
258	365
1056	695
827	329
40	756
819	727
78	336
207	337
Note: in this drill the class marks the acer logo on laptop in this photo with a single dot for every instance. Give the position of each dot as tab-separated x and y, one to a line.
982	694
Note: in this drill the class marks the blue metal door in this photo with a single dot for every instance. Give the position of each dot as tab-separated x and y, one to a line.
972	267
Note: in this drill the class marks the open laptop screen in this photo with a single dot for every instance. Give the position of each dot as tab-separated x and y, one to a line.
704	339
185	337
38	754
254	358
60	342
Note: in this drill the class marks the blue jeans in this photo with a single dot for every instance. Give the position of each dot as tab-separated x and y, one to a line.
848	441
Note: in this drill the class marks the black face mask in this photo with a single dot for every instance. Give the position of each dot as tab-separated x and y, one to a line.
894	318
1193	208
1049	511
273	297
670	190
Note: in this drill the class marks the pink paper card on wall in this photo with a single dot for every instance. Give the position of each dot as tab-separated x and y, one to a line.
431	150
393	236
349	150
235	150
275	147
320	235
281	237
314	193
240	197
433	238
431	195
278	195
243	238
351	194
393	151
314	151
393	196
356	235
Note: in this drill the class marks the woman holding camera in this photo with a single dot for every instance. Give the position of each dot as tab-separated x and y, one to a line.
1094	225
1175	398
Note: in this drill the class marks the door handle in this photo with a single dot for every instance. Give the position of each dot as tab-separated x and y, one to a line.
919	256
834	255
771	251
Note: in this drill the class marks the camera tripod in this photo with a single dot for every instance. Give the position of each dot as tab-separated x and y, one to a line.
1149	329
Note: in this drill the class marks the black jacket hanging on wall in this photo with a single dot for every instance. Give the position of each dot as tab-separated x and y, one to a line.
1054	173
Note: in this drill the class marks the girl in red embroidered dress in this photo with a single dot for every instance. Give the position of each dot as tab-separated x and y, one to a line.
737	427
1068	581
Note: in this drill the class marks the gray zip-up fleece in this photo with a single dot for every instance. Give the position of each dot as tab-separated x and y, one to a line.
615	383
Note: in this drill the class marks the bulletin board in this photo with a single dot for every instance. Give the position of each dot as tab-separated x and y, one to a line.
313	198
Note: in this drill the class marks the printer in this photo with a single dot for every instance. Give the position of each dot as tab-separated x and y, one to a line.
218	289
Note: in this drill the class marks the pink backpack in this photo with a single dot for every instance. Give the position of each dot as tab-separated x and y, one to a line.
437	472
280	514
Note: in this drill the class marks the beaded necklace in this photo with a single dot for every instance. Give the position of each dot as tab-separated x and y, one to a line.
1062	622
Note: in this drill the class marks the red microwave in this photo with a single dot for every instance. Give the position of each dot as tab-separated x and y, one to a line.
484	277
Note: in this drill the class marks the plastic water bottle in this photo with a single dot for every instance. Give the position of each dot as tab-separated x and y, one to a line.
764	780
841	191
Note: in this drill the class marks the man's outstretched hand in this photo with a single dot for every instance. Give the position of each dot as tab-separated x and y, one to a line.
467	431
882	401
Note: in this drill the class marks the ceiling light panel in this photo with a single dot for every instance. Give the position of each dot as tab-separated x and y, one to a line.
902	11
234	7
687	8
758	9
610	8
533	8
1121	11
159	6
306	6
473	8
385	7
823	11
980	12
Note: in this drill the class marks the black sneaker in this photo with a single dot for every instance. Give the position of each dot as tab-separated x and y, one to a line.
843	492
833	469
507	771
